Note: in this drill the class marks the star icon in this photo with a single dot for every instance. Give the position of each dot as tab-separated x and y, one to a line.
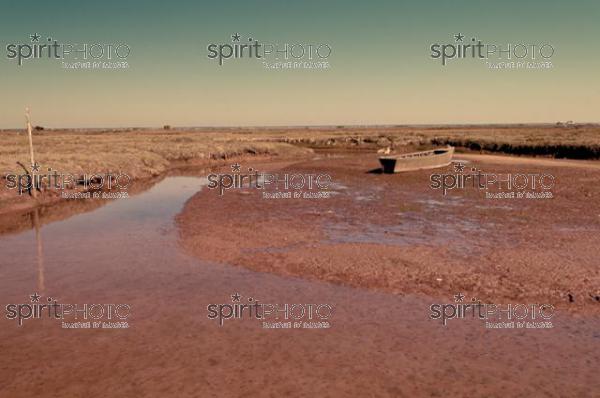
35	167
235	37
459	167
35	37
236	167
459	37
35	298
235	297
458	298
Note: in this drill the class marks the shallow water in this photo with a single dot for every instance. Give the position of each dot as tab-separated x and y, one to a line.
118	230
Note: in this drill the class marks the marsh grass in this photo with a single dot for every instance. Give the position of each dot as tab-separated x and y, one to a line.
139	154
144	153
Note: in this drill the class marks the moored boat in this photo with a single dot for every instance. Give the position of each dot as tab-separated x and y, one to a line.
431	159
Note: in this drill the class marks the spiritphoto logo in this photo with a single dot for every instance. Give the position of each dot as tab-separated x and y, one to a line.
271	55
273	316
71	55
71	316
273	185
506	186
520	55
93	185
496	316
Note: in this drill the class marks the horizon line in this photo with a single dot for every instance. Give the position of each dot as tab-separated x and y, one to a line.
299	126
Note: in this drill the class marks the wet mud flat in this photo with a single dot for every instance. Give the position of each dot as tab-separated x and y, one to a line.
397	233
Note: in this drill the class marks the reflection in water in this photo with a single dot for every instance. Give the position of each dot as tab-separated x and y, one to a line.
63	209
40	254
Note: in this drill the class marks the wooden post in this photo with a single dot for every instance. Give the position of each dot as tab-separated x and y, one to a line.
34	189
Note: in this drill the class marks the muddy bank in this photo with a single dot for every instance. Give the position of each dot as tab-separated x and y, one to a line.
396	234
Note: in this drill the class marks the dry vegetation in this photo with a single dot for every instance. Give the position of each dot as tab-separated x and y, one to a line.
140	154
560	141
143	153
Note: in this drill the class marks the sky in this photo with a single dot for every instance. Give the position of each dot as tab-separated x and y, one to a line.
379	71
